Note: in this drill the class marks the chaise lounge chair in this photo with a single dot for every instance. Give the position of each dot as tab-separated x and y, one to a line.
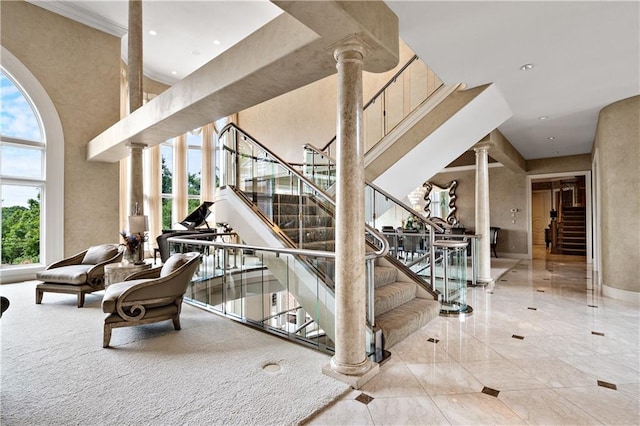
79	274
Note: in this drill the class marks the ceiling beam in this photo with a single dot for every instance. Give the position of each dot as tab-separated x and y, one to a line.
282	56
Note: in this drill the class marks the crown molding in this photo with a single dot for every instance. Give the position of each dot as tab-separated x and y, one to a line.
70	10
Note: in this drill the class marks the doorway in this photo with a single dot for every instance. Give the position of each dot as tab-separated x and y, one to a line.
560	220
540	208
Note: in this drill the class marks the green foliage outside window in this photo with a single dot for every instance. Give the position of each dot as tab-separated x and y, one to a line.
193	188
21	233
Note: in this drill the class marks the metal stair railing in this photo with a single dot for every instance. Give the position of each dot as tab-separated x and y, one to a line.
320	168
260	175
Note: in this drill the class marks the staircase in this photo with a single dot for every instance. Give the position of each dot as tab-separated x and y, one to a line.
572	234
401	305
400	309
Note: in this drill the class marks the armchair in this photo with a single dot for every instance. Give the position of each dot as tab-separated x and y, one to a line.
79	274
149	296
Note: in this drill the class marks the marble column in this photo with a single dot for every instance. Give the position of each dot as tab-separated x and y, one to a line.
135	178
483	217
350	357
134	55
134	80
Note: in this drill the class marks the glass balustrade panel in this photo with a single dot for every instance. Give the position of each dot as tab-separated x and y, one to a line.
373	124
280	293
451	278
394	98
319	169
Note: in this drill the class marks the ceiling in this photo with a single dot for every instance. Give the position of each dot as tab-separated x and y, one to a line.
585	55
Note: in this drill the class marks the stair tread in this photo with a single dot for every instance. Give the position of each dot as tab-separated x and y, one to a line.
400	322
393	295
384	275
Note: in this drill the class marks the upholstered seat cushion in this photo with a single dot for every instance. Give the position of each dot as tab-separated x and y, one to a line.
72	274
99	254
174	263
114	291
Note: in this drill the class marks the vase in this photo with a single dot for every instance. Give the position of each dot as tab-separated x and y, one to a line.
130	255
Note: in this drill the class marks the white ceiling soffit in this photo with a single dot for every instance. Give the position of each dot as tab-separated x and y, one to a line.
586	55
188	33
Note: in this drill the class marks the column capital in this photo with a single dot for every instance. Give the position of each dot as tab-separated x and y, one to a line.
350	48
482	146
136	145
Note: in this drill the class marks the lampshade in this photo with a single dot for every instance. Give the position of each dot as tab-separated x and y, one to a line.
138	224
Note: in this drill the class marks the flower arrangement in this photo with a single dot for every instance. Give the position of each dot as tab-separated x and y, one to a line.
132	241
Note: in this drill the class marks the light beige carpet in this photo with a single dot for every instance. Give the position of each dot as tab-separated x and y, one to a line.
54	370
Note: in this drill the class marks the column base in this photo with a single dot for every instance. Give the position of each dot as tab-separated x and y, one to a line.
485	281
356	381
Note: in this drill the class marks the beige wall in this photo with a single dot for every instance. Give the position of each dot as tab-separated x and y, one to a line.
570	163
507	190
79	68
617	154
306	115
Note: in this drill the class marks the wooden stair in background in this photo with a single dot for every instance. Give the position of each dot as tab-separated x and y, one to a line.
572	232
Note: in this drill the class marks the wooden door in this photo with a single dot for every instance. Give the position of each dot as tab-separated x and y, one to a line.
540	207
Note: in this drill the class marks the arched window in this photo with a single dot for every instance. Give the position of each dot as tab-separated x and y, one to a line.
22	155
31	164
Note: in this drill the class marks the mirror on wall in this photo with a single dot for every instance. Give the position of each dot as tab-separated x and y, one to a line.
441	201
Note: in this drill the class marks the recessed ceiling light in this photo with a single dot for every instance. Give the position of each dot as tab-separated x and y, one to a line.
551	138
153	32
543	117
216	41
526	67
174	72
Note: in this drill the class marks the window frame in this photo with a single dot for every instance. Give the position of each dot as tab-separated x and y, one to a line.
52	194
194	147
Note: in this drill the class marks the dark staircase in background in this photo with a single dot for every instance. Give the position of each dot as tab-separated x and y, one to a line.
572	232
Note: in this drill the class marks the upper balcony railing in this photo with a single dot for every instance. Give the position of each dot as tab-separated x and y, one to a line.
400	96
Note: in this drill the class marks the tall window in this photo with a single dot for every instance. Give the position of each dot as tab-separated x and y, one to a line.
22	160
167	183
194	168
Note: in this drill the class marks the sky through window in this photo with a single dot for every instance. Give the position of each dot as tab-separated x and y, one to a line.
18	121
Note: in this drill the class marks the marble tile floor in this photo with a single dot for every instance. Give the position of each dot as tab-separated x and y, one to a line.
542	347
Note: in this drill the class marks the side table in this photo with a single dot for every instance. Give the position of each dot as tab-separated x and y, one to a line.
117	272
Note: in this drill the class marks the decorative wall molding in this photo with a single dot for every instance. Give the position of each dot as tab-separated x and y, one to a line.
71	10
